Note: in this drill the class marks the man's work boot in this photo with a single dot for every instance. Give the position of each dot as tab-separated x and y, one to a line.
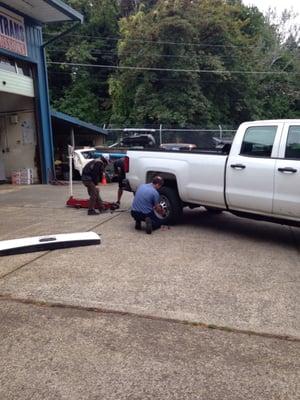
138	225
148	225
114	206
92	212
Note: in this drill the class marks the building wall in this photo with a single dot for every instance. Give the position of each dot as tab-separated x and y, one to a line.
36	57
18	135
89	140
37	54
99	140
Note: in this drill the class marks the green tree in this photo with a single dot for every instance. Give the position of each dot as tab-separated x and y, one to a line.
181	63
141	96
79	91
231	44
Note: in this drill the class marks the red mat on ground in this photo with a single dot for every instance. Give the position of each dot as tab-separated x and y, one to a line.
84	203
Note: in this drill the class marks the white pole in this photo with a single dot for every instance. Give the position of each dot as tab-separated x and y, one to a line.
70	152
71	156
72	138
160	134
220	132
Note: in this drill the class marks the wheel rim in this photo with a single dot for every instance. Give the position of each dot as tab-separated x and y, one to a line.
165	205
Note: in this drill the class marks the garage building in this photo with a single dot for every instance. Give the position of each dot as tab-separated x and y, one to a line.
26	141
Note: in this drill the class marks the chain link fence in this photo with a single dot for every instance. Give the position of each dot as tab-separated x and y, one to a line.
202	137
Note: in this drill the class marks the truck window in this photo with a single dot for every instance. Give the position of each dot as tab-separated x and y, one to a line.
89	154
292	149
258	141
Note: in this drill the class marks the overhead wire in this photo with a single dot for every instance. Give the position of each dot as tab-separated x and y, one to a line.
159	41
115	53
121	67
161	79
96	52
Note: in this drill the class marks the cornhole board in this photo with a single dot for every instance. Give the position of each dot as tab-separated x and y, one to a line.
51	242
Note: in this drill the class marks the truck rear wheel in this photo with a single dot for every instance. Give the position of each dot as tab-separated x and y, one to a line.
170	202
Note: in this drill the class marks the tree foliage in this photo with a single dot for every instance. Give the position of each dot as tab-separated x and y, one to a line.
181	63
83	91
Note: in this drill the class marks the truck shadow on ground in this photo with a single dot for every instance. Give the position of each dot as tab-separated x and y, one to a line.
232	225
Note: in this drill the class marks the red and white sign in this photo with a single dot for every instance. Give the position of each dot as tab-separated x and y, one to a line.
12	32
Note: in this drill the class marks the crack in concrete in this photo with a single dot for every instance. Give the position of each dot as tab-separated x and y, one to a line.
24	265
100	310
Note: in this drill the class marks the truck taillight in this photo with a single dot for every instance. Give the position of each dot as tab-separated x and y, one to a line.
126	164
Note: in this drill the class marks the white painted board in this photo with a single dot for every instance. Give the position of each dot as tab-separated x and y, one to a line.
50	242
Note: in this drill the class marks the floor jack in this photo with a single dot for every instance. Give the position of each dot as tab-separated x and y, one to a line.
84	203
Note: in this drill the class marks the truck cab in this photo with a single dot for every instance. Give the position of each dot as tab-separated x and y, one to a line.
263	169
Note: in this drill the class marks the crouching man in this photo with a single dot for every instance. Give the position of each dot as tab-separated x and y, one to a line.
145	202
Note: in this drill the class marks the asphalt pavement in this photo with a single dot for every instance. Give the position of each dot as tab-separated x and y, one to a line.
208	309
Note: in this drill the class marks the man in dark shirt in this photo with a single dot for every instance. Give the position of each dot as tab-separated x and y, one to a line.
120	172
91	175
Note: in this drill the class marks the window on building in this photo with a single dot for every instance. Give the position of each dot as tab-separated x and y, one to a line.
293	143
7	65
23	69
258	141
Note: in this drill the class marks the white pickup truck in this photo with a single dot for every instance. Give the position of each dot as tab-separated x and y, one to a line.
257	177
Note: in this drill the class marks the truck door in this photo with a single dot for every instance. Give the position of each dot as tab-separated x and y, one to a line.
287	174
250	169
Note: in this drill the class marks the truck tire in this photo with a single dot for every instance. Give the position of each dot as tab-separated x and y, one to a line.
171	203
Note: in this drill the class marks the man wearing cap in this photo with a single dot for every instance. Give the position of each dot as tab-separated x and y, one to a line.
91	175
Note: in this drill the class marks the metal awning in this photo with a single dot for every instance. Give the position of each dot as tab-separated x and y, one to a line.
45	11
63	121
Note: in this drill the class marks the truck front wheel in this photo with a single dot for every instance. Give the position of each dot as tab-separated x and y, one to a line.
171	204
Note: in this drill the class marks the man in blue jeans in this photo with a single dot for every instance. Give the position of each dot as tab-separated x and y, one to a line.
146	201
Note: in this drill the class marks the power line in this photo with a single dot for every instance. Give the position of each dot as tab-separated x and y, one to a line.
105	48
155	41
170	69
115	53
98	52
69	73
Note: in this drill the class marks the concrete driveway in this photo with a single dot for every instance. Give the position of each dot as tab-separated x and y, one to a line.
206	310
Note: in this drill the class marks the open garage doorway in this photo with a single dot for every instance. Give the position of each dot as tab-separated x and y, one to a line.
18	128
18	137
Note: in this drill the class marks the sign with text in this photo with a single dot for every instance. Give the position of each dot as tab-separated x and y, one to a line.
12	32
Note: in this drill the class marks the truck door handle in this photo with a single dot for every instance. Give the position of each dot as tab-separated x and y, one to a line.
238	166
287	169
